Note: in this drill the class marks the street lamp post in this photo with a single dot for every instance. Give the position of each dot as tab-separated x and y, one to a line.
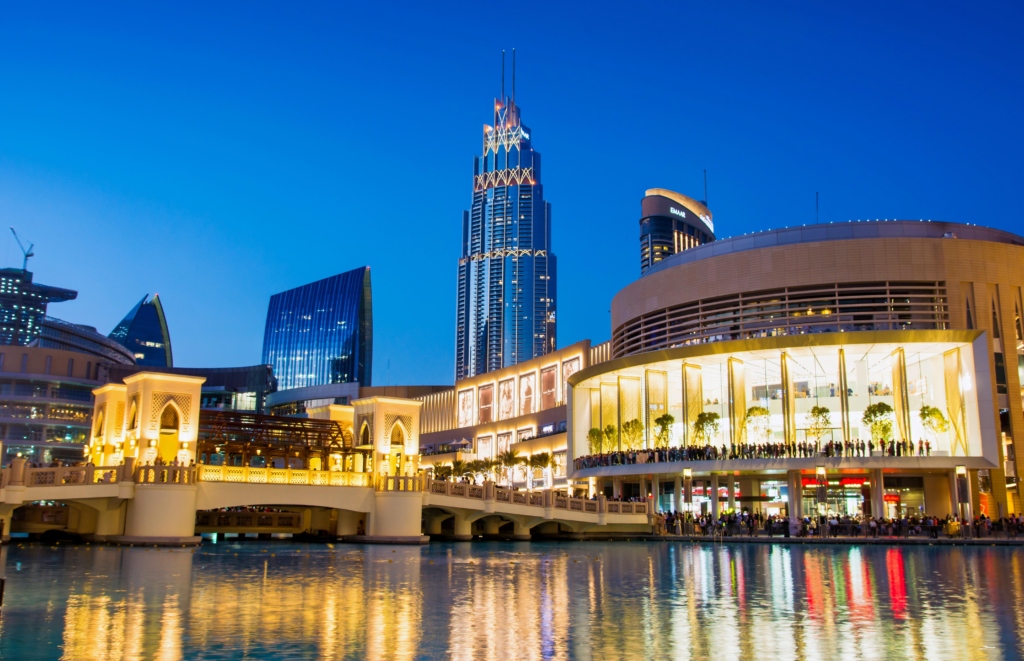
963	493
821	493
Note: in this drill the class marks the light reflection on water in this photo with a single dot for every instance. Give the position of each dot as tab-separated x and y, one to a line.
511	601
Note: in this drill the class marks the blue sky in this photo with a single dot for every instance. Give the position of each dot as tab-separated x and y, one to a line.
219	153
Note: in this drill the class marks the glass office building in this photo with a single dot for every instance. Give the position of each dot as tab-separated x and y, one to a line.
23	305
670	223
144	332
506	289
322	332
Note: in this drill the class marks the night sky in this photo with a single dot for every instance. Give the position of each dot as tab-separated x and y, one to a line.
218	156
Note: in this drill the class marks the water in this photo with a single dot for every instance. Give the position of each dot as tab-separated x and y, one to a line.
591	600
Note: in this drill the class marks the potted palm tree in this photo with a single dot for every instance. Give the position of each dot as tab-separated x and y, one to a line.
509	460
538	461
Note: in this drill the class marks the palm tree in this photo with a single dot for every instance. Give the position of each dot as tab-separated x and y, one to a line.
478	467
459	468
508	460
442	471
541	460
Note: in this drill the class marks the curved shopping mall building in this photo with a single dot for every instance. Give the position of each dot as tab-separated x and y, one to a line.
749	340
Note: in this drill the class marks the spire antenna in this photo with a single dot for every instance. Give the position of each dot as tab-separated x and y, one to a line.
705	187
513	76
503	76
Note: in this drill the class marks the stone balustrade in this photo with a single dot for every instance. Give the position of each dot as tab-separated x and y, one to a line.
399	483
540	499
246	474
55	476
165	475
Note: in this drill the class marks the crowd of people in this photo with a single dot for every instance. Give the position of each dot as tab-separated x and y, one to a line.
833	525
801	450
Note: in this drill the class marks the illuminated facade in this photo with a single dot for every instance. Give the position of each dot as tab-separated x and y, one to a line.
321	333
59	334
143	331
754	332
45	402
521	408
507	272
670	223
23	305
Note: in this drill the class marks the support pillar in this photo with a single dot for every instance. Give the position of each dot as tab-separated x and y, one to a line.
161	514
348	523
521	533
396	518
463	528
677	494
492	527
643	488
616	487
877	493
730	482
656	491
795	487
714	496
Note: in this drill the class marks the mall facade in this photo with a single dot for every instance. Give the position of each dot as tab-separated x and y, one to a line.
864	368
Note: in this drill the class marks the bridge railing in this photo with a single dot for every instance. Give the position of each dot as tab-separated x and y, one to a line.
165	475
246	474
399	483
540	499
55	476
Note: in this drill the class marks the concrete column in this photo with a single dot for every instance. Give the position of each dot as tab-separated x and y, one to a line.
795	488
972	481
521	532
463	528
730	482
714	496
492	527
643	487
348	523
954	505
877	493
161	514
396	518
656	491
677	494
616	487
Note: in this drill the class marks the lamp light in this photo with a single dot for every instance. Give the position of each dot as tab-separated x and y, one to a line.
961	470
688	473
820	472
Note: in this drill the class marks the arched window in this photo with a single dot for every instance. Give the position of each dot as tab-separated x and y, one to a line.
364	435
397	435
99	424
169	419
133	417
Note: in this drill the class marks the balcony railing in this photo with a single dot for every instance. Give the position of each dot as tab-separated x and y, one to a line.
539	499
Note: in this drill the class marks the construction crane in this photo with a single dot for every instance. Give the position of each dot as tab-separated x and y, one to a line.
27	253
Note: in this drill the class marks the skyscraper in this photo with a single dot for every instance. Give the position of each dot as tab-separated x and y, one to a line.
671	222
144	332
506	290
23	305
322	332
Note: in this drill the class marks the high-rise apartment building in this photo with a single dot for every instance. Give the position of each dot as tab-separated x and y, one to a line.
144	332
506	291
321	333
23	305
671	222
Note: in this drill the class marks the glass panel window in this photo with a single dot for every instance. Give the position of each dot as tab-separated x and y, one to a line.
506	399
486	395
527	384
548	387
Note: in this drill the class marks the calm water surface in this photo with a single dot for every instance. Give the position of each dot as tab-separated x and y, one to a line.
620	600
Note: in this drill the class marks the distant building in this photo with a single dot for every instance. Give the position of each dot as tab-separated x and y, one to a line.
45	402
144	332
300	401
23	305
321	333
505	312
671	223
243	389
59	334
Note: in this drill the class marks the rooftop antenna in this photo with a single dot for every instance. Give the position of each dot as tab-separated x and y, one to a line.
815	206
27	253
705	187
513	76
503	76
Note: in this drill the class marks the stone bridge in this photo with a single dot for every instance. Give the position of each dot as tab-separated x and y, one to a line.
159	504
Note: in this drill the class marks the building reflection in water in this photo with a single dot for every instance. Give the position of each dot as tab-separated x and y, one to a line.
523	601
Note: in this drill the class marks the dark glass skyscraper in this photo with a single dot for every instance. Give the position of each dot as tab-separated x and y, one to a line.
23	305
143	331
506	291
322	332
671	222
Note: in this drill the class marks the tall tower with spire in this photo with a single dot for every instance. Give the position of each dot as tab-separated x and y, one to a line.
506	291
